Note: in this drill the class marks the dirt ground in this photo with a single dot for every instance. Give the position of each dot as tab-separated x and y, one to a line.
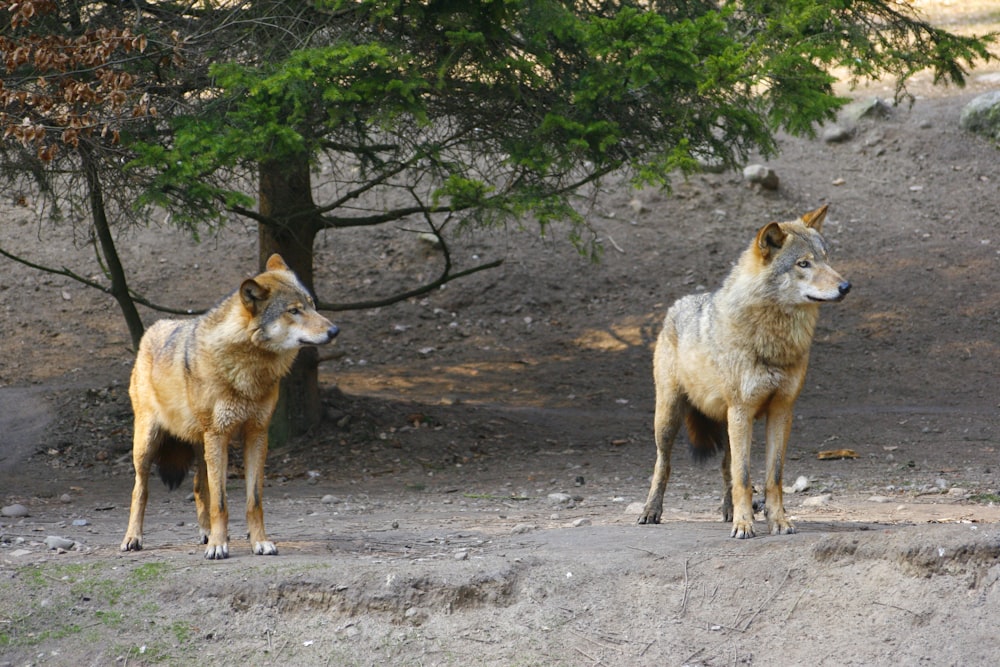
470	498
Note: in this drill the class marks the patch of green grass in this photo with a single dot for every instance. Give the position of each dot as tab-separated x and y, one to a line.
149	572
986	498
108	589
147	654
182	631
112	619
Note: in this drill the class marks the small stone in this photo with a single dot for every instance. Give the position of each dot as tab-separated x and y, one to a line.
329	500
582	522
521	529
432	240
18	553
763	176
66	498
80	522
56	542
835	134
15	511
801	484
818	501
982	115
880	499
873	107
635	508
462	555
560	498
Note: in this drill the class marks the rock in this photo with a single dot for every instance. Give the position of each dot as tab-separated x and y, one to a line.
581	522
818	501
432	240
330	500
66	498
80	523
14	511
635	508
801	484
835	134
17	553
521	529
56	542
982	115
761	175
560	498
462	555
874	107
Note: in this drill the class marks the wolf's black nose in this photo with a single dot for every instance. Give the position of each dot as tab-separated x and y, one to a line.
334	329
844	288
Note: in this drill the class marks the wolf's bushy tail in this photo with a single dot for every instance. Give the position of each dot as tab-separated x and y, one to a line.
707	435
174	459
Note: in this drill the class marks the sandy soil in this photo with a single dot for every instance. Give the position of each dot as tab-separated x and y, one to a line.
418	526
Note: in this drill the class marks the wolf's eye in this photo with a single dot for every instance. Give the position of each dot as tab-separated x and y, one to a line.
803	263
293	311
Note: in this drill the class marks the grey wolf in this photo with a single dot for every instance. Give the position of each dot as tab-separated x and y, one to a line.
198	383
724	359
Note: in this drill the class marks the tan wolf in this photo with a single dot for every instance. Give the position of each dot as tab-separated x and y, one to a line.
725	358
198	383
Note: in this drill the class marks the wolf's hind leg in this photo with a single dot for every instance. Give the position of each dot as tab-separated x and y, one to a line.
145	446
727	485
670	408
202	501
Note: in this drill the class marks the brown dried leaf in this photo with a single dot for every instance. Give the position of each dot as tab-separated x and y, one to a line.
834	454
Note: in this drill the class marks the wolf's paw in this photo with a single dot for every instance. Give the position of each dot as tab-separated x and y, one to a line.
782	527
727	513
217	552
265	549
132	543
203	536
649	516
742	530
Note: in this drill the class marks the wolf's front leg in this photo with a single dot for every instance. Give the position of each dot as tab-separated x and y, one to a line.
216	463
740	434
254	457
779	427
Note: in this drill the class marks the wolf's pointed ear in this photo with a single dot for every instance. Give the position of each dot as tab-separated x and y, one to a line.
252	293
814	219
770	238
276	263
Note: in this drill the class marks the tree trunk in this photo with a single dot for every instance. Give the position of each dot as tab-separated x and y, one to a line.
119	284
286	198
